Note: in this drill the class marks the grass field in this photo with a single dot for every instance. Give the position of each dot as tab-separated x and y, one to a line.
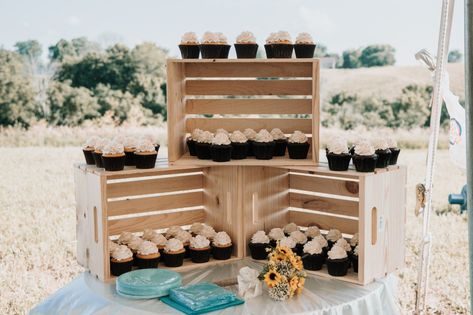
37	242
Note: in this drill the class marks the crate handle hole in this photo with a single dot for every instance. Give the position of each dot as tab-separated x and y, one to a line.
374	225
96	232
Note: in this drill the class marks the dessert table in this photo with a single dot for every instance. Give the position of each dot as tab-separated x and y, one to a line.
87	295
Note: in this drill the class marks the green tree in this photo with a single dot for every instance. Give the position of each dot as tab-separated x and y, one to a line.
31	50
351	59
77	47
150	59
377	56
411	109
320	51
455	56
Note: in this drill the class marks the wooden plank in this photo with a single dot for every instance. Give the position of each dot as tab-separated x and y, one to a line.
175	110
255	69
133	172
154	186
249	106
315	110
82	228
248	87
326	222
158	221
325	204
324	185
250	161
322	169
287	125
139	205
241	61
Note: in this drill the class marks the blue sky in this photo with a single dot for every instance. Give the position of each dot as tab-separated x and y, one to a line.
408	25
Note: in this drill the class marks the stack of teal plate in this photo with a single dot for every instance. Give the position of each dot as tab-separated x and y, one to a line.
147	283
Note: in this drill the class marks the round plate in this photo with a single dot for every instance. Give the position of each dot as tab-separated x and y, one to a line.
137	297
148	282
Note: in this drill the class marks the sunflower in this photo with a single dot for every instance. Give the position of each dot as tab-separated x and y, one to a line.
300	285
272	278
296	261
284	250
277	257
294	283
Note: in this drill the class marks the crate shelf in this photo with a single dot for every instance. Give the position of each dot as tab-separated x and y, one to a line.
187	160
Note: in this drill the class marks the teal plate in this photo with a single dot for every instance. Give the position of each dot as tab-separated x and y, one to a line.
138	297
148	282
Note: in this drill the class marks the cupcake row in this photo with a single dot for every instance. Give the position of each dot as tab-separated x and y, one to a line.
215	46
366	155
264	145
114	154
316	250
171	248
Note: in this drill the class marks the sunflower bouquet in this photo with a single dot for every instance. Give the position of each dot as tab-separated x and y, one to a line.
283	274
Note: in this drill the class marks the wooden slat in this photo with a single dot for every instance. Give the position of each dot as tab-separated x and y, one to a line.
325	222
157	221
135	173
287	125
249	87
331	205
281	161
249	106
154	186
133	206
324	185
176	110
315	110
243	69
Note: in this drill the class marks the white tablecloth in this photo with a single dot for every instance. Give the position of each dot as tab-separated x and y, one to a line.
87	295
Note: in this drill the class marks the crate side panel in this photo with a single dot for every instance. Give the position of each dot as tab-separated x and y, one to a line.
335	186
325	204
176	110
315	110
82	227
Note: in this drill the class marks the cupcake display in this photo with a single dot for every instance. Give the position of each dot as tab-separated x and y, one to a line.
333	236
88	150
313	256
289	228
250	134
337	154
258	245
100	144
174	253
192	140
280	141
300	239
392	144
246	46
364	157
312	232
202	146
382	151
200	249
214	46
298	145
129	143
281	45
147	255
121	260
222	246
113	157
189	46
145	154
263	146
337	262
221	148
239	144
304	46
275	235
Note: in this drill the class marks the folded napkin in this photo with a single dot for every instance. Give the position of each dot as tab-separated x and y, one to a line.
249	286
184	309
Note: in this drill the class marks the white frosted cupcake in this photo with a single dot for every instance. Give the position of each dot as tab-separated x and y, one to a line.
304	46
222	246
214	46
263	146
189	46
246	46
259	245
280	141
240	145
298	145
145	154
200	249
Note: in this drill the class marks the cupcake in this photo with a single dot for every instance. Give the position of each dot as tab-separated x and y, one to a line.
280	141
221	130
208	232
160	241
196	228
311	232
275	235
333	236
125	238
221	148
133	245
392	144
246	46
202	146
192	140
189	46
222	246
113	157
112	246
289	242
300	239
381	148
239	145
364	157
121	260
147	255
304	46
214	45
323	243
289	228
200	249
100	144
268	46
185	237
354	259
337	154
281	46
343	243
337	262
148	234
263	147
354	240
153	141
313	256
88	148
298	146
129	143
174	253
258	245
172	231
145	154
250	134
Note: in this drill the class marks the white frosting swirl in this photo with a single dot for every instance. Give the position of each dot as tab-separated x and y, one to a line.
221	38
246	37
145	145
221	139
147	248
264	136
184	236
276	234
222	239
148	234
392	143
209	38
313	247
260	237
288	242
196	133
149	138
298	137
338	145
129	142
304	38
355	251
173	245
207	231
271	38
283	37
278	134
113	148
221	130
196	227
312	231
172	231
337	252
343	244
380	144
238	137
121	253
355	239
119	138
159	239
189	38
100	144
321	239
299	237
205	137
200	242
125	237
291	227
112	246
135	243
364	148
334	235
249	133
90	143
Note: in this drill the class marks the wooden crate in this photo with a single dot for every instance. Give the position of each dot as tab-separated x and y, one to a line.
239	94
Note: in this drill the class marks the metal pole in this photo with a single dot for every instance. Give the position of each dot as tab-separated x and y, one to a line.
469	128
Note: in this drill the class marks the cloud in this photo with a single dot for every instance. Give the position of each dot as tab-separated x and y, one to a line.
73	20
316	21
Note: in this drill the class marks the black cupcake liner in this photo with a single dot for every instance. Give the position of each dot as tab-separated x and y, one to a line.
200	256
304	50
298	151
299	249
98	159
188	251
119	268
222	253
384	157
354	262
282	50
221	152
246	51
394	155
273	243
156	148
338	162
250	148
313	262
203	151
143	263
258	250
338	267
280	147
113	163
130	158
365	163
89	157
214	51
269	51
189	51
225	51
144	161
330	244
239	150
173	260
263	150
191	146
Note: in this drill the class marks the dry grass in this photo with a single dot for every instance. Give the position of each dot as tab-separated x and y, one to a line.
37	242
